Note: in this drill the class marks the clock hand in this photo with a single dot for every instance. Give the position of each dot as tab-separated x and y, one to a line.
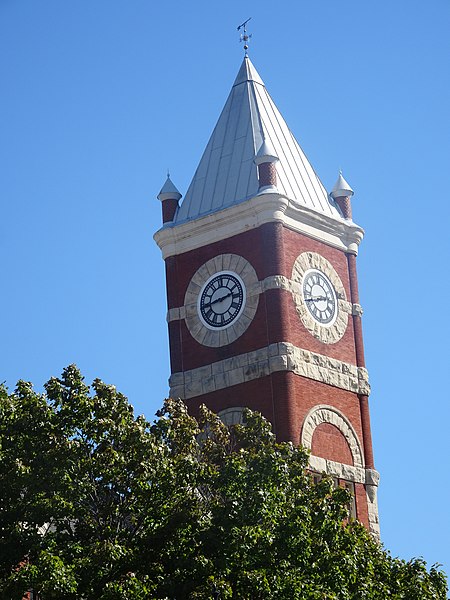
314	298
218	300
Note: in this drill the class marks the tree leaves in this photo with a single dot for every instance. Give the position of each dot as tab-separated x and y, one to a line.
98	504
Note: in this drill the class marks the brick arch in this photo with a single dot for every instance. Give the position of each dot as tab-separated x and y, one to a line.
328	414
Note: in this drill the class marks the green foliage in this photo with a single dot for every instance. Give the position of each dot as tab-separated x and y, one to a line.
100	505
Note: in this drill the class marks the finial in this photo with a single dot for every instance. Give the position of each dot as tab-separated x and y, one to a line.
244	36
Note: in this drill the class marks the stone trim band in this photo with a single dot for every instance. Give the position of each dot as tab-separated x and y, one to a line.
273	282
281	356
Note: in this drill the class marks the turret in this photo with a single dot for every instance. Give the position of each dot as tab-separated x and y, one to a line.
342	193
266	160
169	196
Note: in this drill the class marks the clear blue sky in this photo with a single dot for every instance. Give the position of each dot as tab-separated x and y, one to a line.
98	99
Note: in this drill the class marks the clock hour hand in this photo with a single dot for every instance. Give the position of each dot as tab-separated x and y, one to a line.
315	298
218	300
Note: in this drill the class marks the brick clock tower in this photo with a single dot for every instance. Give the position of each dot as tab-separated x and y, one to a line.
263	306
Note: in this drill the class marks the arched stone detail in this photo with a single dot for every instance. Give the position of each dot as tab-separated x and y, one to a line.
232	416
328	414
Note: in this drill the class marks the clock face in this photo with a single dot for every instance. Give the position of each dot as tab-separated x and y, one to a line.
320	297
221	300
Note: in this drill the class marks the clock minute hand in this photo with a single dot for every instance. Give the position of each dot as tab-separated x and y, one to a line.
314	298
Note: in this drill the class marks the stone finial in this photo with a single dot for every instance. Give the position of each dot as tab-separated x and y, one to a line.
265	160
169	196
342	192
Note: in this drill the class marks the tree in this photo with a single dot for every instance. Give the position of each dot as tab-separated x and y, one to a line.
98	504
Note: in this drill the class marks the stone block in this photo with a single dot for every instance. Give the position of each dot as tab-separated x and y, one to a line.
278	363
221	381
194	388
176	379
191	310
318	463
263	368
372	477
209	384
242	360
202	372
236	376
177	391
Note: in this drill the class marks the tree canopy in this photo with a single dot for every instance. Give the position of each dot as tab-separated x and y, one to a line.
98	504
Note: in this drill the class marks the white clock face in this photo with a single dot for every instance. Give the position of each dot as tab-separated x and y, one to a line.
221	300
320	297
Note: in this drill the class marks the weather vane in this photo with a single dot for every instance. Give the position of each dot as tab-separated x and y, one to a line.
244	36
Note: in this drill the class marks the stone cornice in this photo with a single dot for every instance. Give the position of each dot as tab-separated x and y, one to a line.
263	208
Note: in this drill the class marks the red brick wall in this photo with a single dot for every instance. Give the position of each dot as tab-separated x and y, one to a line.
328	442
271	249
283	397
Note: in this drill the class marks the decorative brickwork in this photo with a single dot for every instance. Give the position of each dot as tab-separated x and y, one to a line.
267	174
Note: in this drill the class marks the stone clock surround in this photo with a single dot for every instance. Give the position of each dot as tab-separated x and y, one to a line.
333	333
216	338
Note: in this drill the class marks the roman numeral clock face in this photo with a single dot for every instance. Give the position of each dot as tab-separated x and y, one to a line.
221	300
320	297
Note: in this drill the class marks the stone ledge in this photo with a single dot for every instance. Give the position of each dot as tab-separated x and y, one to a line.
281	356
343	471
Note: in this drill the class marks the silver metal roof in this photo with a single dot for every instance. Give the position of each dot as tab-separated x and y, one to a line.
341	188
227	173
169	191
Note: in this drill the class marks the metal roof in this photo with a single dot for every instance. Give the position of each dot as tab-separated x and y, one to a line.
227	174
341	188
169	191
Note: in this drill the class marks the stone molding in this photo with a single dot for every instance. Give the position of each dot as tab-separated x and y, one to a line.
266	207
281	356
343	471
323	413
357	310
224	336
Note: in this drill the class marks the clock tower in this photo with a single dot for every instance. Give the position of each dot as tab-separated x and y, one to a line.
262	292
